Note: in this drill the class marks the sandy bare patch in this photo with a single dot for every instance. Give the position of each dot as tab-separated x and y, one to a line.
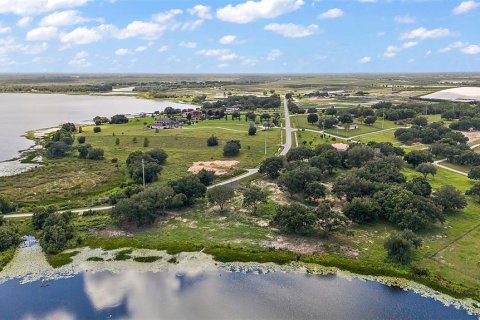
218	166
304	246
40	133
471	135
111	233
278	195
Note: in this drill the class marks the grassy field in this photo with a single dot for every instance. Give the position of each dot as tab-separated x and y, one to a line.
300	121
72	181
185	145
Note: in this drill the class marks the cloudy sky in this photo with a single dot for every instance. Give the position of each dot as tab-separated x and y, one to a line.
239	36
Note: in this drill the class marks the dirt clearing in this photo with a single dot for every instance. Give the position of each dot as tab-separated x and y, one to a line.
218	166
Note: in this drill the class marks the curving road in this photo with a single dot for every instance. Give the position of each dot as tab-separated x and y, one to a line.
250	172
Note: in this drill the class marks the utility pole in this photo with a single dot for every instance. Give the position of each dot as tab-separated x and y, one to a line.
143	171
426	111
383	117
265	130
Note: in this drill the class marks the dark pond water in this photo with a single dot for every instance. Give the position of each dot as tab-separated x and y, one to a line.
215	295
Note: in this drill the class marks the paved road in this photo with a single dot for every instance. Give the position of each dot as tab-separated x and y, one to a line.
438	163
287	146
288	129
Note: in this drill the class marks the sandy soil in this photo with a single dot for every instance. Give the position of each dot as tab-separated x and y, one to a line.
40	133
471	135
305	246
217	166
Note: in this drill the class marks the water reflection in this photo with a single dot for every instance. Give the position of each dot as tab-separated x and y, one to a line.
215	295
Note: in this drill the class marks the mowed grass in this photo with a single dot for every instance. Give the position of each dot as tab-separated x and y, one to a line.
185	145
300	121
309	138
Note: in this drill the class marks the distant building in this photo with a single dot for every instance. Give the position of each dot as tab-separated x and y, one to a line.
166	123
340	146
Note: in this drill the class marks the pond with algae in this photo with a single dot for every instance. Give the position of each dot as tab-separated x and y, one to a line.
194	286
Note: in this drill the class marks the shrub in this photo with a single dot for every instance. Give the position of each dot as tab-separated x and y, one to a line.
97	129
231	148
212	141
295	218
220	195
81	139
95	154
400	246
206	177
8	238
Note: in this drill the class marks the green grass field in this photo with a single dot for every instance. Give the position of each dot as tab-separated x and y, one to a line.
185	145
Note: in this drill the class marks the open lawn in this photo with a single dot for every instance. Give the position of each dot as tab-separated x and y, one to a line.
309	138
384	136
184	145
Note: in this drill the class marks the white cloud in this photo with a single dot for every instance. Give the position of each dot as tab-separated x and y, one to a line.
190	45
122	52
34	7
273	55
162	49
80	60
290	30
471	49
465	7
5	30
192	25
86	35
392	51
423	33
227	39
9	45
458	44
254	10
223	65
381	33
62	18
42	34
201	11
444	50
24	22
365	60
220	54
405	19
331	14
140	49
141	29
454	45
168	16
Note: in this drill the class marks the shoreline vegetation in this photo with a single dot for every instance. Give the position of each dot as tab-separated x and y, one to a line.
146	259
174	235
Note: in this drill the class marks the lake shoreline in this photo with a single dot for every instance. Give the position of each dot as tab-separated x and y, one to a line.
83	260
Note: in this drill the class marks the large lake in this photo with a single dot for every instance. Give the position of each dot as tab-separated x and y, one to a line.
23	112
215	295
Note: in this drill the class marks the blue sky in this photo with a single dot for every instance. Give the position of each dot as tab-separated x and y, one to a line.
277	36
